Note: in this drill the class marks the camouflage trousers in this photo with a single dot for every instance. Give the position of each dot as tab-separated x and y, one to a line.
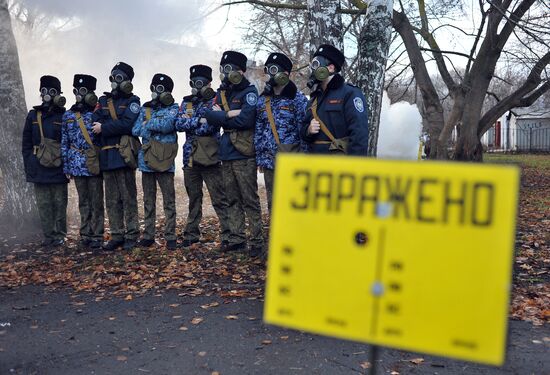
212	177
165	181
90	206
51	200
121	203
240	180
269	176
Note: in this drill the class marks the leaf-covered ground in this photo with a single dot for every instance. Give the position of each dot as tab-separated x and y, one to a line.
531	289
202	270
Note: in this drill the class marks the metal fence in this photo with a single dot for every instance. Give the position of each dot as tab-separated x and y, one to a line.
520	140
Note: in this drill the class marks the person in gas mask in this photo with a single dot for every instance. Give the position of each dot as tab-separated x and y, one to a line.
280	113
156	127
41	148
336	119
235	112
201	162
114	118
80	153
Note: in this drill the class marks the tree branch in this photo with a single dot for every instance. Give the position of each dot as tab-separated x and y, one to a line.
518	98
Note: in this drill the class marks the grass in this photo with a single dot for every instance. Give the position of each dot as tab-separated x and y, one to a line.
524	160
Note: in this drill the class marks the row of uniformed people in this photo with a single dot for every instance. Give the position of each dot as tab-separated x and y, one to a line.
229	134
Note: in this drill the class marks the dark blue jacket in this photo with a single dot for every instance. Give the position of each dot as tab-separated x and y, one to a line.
51	125
243	96
127	108
342	107
192	126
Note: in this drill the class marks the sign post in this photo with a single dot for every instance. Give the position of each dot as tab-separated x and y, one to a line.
415	256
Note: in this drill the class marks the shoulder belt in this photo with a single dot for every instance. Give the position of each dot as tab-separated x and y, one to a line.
271	119
111	108
324	128
83	129
224	101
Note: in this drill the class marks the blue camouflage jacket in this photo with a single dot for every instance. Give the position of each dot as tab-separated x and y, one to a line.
51	125
127	109
192	126
288	112
73	142
342	107
161	127
243	96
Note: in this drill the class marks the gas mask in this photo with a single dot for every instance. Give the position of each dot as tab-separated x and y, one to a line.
199	87
229	74
82	95
159	93
51	96
319	71
277	77
121	82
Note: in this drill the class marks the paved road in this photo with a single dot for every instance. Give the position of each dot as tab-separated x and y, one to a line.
45	332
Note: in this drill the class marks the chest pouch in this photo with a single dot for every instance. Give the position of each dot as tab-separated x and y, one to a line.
157	155
48	151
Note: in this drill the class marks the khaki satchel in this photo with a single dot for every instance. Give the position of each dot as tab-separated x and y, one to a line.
205	151
129	146
337	145
48	151
157	155
282	147
92	153
243	140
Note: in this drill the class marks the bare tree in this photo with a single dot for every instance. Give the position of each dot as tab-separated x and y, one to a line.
500	20
18	207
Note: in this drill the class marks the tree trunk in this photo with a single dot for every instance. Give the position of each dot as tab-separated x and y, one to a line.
374	43
325	24
432	110
18	205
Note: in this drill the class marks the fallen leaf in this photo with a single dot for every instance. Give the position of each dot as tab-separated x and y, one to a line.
196	321
365	365
215	373
416	361
394	373
209	305
231	317
121	358
129	297
131	313
183	328
112	318
537	342
174	305
177	317
202	354
284	337
266	342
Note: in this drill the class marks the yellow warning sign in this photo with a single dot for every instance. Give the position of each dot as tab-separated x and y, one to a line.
410	255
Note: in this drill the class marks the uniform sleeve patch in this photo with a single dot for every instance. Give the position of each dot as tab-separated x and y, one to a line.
358	103
251	98
173	111
134	107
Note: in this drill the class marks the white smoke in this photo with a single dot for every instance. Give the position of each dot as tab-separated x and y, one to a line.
400	128
163	36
